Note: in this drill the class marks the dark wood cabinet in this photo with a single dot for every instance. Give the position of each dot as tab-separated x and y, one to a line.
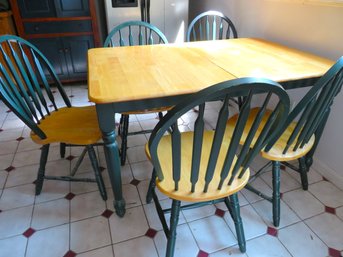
63	30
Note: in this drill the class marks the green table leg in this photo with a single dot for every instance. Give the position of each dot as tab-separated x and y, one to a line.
106	123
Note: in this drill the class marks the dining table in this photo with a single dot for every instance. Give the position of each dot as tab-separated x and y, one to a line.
124	79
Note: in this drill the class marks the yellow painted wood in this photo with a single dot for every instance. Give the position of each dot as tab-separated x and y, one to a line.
249	57
75	125
122	74
275	153
184	193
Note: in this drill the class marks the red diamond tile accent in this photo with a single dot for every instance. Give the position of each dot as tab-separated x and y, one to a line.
272	231
69	254
19	139
330	210
102	168
334	252
29	232
1	130
107	213
134	182
8	111
282	167
220	212
70	157
281	195
10	168
53	91
325	179
0	211
202	254
69	196
151	233
51	105
71	96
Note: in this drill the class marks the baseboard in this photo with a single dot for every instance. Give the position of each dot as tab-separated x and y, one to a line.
328	173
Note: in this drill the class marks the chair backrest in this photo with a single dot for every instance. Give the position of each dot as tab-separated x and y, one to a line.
135	33
26	77
211	25
265	91
313	108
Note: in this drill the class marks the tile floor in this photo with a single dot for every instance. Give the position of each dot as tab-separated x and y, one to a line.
70	219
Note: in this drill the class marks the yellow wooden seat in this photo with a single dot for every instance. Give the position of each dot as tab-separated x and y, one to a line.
71	125
276	153
184	193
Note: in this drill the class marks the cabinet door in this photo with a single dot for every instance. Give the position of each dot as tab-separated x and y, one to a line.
76	53
67	8
53	50
36	8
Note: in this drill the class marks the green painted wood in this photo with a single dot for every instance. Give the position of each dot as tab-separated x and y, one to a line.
174	219
204	27
176	154
32	94
276	193
134	33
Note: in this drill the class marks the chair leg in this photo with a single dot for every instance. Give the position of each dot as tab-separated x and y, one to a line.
41	170
152	186
62	150
276	193
98	176
303	169
160	115
124	132
174	219
233	207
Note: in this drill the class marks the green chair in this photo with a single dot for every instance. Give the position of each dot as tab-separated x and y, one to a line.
208	166
211	25
30	88
133	33
299	134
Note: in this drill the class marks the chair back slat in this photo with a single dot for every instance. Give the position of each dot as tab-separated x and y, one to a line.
26	80
217	141
176	154
219	156
134	33
197	146
311	111
243	156
204	27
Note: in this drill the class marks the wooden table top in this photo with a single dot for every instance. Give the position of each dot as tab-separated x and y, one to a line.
123	74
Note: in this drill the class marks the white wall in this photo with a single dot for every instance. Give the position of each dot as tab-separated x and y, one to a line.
312	28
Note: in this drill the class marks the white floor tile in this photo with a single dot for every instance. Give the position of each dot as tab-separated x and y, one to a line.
142	170
266	246
339	212
141	246
15	222
253	224
8	147
133	224
52	190
3	178
18	196
327	193
89	234
136	154
212	234
301	241
5	161
185	244
287	216
86	205
329	228
102	252
51	242
232	252
130	194
22	175
50	214
260	185
296	199
287	182
199	213
13	247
